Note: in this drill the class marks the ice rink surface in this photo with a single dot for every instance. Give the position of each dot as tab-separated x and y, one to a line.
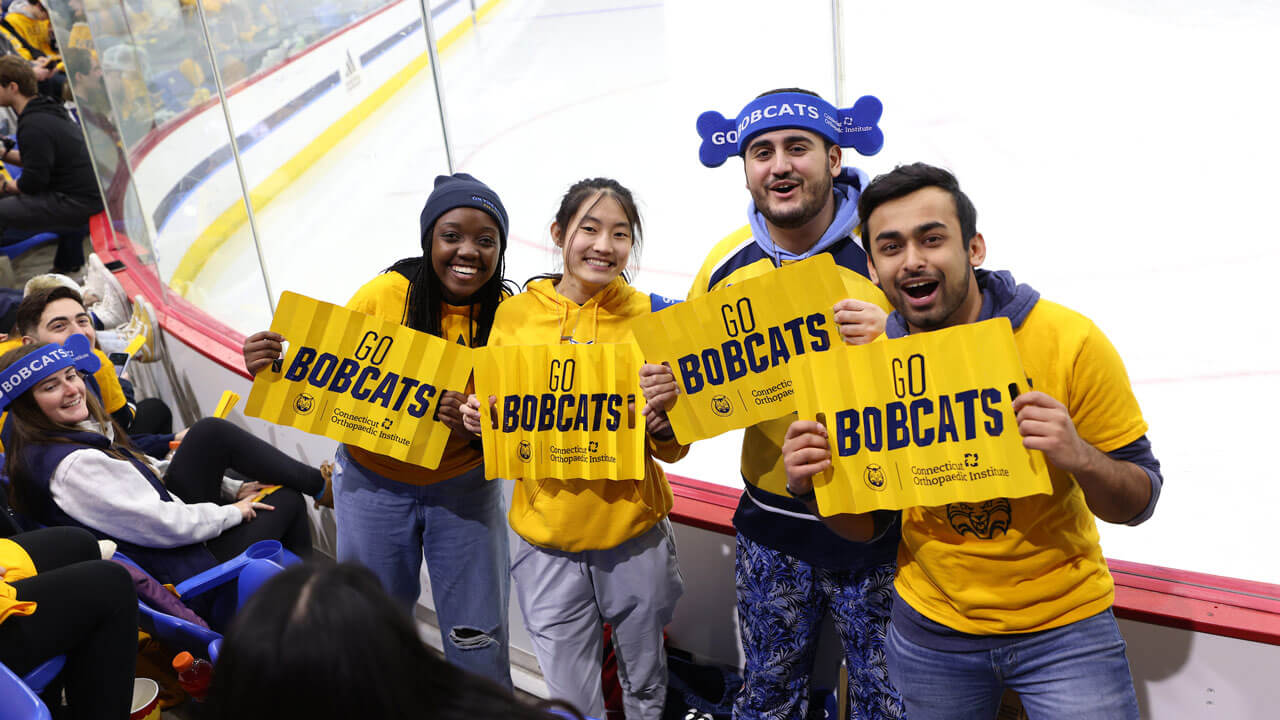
1121	157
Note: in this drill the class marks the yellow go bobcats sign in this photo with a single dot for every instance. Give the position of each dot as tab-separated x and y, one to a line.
360	380
563	412
921	420
729	349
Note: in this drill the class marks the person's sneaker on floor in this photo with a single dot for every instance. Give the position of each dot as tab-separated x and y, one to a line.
107	297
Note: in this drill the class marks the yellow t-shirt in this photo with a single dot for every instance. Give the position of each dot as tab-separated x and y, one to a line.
384	297
957	565
577	515
15	565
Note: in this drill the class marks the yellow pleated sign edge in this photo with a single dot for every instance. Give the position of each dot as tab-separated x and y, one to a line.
226	403
555	407
729	348
924	420
360	380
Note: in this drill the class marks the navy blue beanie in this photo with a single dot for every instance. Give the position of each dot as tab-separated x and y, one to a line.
461	190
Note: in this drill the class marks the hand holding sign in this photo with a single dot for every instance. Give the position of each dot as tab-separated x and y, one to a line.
859	321
1045	425
261	349
658	384
805	453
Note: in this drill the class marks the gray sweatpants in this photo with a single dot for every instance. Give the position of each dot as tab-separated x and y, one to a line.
565	596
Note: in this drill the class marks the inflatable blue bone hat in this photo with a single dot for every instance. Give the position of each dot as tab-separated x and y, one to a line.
853	127
30	369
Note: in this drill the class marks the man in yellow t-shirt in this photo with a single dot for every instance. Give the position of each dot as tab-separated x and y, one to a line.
1008	592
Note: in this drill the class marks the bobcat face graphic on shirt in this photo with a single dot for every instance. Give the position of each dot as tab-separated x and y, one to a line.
982	520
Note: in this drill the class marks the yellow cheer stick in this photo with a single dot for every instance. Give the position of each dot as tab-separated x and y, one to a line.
135	345
226	404
265	492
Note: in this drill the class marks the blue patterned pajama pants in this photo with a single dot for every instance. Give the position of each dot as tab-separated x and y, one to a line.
781	601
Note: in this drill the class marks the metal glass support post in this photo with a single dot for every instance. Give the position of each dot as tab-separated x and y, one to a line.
837	52
235	154
434	58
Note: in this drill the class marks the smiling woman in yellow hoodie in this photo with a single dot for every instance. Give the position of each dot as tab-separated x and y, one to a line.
592	551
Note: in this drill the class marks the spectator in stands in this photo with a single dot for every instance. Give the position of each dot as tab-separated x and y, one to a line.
57	189
149	416
328	643
26	29
126	69
54	314
59	597
70	464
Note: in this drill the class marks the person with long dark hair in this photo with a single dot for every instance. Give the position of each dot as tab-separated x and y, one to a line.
391	514
70	464
328	643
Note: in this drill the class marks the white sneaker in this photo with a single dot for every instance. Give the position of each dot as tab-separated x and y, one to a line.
112	307
94	280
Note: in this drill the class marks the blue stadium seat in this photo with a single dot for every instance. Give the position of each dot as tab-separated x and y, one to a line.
33	241
19	701
249	570
20	697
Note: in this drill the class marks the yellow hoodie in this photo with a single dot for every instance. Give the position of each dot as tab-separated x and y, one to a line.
581	515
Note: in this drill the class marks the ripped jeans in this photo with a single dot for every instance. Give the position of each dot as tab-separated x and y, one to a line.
460	527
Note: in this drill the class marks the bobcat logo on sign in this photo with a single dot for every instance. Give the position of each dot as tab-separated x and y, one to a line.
874	477
524	451
721	406
304	404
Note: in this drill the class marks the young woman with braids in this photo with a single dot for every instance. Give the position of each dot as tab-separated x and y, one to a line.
391	514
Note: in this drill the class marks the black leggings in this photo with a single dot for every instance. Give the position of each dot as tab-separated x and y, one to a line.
151	417
213	446
86	609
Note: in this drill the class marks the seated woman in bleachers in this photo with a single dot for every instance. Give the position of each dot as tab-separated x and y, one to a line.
70	464
59	597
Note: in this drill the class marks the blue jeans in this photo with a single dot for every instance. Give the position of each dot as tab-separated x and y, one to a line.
781	602
460	527
1076	672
